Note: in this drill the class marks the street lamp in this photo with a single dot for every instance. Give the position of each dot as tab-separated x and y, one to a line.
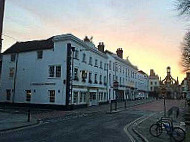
163	95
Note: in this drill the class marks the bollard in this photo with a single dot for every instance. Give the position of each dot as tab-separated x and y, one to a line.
111	106
29	115
115	105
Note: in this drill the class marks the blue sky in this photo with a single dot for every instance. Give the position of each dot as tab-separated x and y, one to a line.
149	31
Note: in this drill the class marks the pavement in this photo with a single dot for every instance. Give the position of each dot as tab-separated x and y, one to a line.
141	127
12	118
88	124
10	121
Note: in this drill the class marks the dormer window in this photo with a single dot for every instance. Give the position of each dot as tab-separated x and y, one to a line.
39	54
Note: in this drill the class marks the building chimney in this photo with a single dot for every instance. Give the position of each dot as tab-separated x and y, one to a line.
120	53
101	46
86	39
152	73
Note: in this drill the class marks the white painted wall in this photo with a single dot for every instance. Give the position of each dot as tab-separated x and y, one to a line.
33	74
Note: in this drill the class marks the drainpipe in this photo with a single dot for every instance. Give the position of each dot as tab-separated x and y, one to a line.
15	77
107	83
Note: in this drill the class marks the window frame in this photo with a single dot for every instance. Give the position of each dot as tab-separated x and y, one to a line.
8	94
90	77
11	72
75	96
76	54
55	71
95	78
90	61
96	63
39	54
76	74
84	58
52	96
28	95
13	57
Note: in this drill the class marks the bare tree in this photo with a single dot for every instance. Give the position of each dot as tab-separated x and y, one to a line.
183	6
185	58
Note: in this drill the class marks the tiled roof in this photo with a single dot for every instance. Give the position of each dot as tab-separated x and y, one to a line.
30	46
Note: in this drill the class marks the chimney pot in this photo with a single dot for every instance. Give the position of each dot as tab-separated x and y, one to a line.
120	53
101	47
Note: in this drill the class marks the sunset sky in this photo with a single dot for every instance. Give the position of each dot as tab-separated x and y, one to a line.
149	31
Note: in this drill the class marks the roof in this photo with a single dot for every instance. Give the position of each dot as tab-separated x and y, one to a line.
142	72
125	61
88	46
30	46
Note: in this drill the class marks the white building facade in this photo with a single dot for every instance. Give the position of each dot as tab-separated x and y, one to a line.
143	85
35	72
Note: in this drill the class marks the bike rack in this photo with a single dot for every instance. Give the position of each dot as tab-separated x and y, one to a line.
167	120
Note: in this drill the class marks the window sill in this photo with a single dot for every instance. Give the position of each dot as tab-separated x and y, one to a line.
54	77
76	58
90	82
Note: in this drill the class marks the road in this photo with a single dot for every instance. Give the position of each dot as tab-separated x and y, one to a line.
99	127
92	128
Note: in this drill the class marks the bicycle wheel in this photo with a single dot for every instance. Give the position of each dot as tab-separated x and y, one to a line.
155	130
178	134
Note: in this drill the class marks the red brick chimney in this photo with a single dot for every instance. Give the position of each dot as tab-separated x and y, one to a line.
120	53
101	46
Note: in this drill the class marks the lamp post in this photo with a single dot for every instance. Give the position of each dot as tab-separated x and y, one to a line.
164	107
163	95
2	7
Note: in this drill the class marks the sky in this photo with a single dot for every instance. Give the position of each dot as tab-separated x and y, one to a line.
149	31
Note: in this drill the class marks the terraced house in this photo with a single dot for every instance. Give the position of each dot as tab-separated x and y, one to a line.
64	70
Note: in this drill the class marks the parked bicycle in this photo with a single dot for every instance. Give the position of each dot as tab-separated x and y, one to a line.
166	123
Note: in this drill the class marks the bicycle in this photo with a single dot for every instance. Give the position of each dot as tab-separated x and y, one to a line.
177	133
